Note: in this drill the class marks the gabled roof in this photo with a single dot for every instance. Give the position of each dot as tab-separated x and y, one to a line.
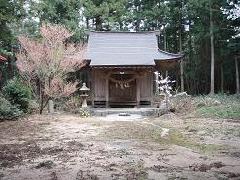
125	48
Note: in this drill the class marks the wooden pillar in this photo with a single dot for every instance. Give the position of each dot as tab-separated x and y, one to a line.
92	86
156	82
107	92
138	91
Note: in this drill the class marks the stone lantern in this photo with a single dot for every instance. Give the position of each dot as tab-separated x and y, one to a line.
84	89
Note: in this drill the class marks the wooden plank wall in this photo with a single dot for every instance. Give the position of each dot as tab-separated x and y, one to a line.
99	88
146	87
98	85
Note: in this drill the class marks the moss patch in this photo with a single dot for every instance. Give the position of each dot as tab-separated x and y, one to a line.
153	134
177	138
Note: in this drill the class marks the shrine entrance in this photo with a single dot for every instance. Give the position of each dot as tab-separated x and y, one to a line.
122	89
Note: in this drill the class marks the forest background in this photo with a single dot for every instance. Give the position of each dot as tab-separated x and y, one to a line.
185	26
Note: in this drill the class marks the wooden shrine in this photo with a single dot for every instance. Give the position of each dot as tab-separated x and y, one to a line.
121	66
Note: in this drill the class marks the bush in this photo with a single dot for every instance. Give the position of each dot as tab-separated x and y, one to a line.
33	106
8	111
70	104
84	112
206	101
183	104
232	112
213	106
18	94
218	106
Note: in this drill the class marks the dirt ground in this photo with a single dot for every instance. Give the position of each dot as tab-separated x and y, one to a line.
68	147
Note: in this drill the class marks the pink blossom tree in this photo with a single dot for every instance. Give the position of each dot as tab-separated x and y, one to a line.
46	62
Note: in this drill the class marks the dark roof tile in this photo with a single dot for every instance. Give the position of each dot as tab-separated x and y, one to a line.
125	48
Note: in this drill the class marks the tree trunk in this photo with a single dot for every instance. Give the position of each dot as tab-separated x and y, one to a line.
120	25
181	62
165	39
212	51
180	49
87	22
43	102
222	80
41	97
182	80
237	76
137	26
98	23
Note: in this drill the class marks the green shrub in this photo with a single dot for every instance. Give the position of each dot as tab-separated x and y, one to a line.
218	106
8	111
84	112
33	106
216	100
18	94
222	111
208	101
212	106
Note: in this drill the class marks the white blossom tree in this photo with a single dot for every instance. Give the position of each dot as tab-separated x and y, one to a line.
164	86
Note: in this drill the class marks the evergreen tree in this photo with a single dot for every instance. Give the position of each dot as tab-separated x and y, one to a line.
65	12
105	14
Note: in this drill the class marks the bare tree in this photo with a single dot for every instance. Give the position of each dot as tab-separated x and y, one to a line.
46	62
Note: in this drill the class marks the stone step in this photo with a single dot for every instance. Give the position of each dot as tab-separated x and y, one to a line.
139	111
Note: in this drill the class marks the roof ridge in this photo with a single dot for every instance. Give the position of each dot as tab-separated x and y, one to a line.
173	54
